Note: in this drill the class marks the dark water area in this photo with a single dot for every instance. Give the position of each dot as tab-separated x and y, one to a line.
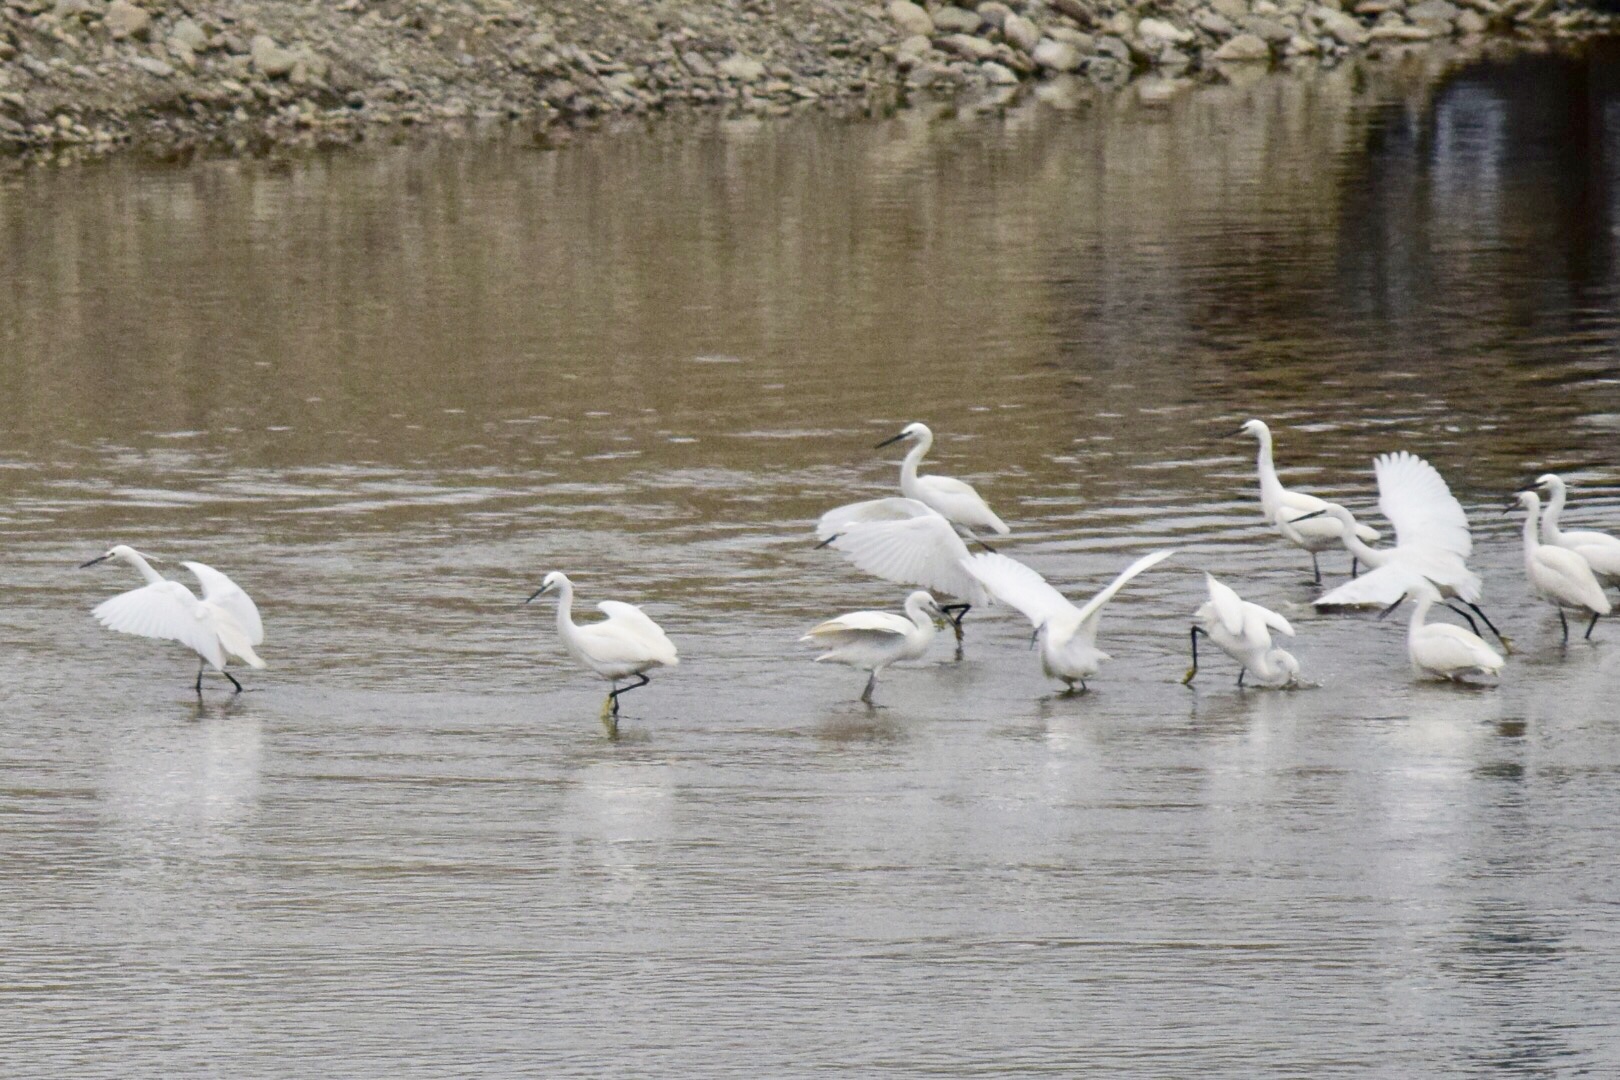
388	391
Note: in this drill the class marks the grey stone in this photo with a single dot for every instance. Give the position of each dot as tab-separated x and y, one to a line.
125	20
1472	22
1114	48
1021	33
1156	33
1213	22
910	18
741	68
998	74
153	67
270	59
1341	27
1269	30
1232	9
955	20
967	46
1245	48
1439	12
994	13
1057	55
190	35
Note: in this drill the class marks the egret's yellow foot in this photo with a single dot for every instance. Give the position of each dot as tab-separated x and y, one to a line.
1187	678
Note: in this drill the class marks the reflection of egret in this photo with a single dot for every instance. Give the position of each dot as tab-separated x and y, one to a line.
626	644
1440	649
1243	631
224	623
953	499
1600	550
1068	634
1290	512
872	640
908	543
1558	575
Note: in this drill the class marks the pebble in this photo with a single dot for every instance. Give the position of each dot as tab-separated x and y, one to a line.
1244	48
1057	55
125	20
911	18
270	59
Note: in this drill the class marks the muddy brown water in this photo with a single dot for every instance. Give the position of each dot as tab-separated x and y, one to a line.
388	391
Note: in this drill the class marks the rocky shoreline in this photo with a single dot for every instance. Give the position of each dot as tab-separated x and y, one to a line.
88	77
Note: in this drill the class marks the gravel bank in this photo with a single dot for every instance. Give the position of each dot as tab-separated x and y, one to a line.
173	76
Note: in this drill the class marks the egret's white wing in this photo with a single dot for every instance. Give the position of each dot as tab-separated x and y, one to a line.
921	549
839	518
1600	550
958	501
1228	605
1016	585
1574	576
226	595
1093	609
1270	618
867	621
1415	499
1443	647
1382	586
166	610
630	620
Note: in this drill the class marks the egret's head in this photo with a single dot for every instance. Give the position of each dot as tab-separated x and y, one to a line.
1526	500
910	431
1285	662
122	552
924	601
554	580
1257	428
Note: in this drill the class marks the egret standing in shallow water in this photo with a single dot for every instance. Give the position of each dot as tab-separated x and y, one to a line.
1600	550
224	623
1440	650
908	543
1558	575
1067	634
1293	513
1243	631
953	499
872	640
627	644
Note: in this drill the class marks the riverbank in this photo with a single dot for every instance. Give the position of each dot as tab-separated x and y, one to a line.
175	76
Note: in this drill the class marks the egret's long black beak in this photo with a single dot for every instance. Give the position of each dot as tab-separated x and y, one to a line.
535	595
891	439
1306	517
829	540
92	562
1241	431
1510	507
1393	606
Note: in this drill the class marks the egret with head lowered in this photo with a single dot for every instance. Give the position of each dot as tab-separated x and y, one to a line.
953	499
1292	513
1560	576
625	645
1067	634
1243	631
223	624
872	640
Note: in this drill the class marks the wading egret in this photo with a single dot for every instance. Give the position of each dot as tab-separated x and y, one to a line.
1440	650
1600	550
1558	575
1291	513
872	640
1243	631
1067	634
908	543
627	644
224	623
953	499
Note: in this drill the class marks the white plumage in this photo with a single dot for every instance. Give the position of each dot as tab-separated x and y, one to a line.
1558	575
872	640
1068	634
1600	550
1243	631
223	624
1440	650
906	542
627	644
1289	512
953	499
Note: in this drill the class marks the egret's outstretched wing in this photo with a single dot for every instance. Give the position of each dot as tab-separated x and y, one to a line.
631	621
1228	605
1415	499
226	595
904	542
959	502
166	610
1093	609
1017	586
877	622
1271	619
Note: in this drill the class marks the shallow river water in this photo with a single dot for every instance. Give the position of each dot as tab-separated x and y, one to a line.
388	391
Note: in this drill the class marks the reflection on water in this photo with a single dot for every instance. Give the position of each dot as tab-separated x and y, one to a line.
389	391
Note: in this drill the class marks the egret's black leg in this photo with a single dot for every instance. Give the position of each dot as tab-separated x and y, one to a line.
234	683
871	685
827	541
199	679
617	690
1192	671
960	612
1242	672
1591	626
1488	623
1472	625
1355	567
1565	623
1316	568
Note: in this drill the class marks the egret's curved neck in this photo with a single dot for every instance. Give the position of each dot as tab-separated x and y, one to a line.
908	467
1356	546
1555	506
1270	487
565	608
920	617
134	559
1270	668
1420	612
1531	517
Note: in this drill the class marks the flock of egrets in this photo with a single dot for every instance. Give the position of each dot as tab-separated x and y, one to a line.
921	539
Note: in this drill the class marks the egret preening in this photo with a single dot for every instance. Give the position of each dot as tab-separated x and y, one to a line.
224	623
1600	550
953	499
1440	650
1067	634
1292	513
872	640
1243	631
908	543
1558	575
1432	542
627	644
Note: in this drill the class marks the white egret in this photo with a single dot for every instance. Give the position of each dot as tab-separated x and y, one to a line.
627	644
1558	575
908	543
1067	634
224	623
872	640
953	499
1292	513
1432	541
1243	631
1440	650
1600	550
